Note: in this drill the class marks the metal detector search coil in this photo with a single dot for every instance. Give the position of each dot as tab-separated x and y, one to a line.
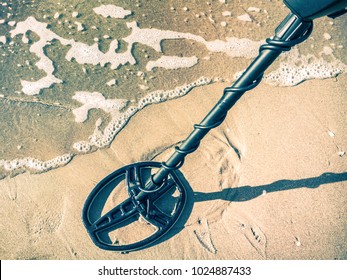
134	175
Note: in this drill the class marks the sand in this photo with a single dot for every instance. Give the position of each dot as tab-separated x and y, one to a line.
269	183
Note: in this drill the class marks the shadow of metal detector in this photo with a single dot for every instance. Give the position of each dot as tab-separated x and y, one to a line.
154	195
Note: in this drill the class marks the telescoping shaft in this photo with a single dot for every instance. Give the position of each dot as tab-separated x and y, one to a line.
290	32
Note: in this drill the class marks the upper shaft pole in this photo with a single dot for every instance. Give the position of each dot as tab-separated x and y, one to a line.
291	28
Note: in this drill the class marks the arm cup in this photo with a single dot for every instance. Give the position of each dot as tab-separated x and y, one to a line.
311	9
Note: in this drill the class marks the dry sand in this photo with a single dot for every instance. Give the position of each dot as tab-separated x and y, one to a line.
269	183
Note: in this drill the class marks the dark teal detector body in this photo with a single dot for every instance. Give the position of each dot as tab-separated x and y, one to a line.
148	183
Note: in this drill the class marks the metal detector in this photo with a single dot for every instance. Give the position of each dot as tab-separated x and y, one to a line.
150	185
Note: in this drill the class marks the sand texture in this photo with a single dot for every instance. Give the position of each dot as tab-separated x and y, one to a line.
86	88
268	183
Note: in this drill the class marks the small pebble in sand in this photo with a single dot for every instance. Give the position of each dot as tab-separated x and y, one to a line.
143	87
226	14
245	17
11	23
331	134
210	18
327	50
112	82
253	9
75	14
19	147
56	15
297	241
223	23
341	153
2	21
96	39
327	36
185	9
223	1
80	26
3	39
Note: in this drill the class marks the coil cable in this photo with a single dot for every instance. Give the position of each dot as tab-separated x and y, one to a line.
273	44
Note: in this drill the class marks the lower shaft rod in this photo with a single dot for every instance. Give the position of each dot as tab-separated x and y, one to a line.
291	29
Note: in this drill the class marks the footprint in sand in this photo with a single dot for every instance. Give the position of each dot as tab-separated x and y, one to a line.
45	221
202	233
225	155
221	155
255	236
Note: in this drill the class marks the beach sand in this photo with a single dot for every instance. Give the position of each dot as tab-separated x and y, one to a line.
269	183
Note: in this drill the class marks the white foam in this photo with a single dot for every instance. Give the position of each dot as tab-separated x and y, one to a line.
172	62
3	39
45	64
85	54
235	47
95	100
112	11
152	37
35	165
33	88
82	146
161	95
102	139
297	68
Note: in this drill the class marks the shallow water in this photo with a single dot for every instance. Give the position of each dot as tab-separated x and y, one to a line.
102	70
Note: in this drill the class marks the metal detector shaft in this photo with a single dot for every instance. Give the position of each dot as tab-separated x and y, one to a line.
290	32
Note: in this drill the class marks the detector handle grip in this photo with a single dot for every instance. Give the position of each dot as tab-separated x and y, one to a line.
312	9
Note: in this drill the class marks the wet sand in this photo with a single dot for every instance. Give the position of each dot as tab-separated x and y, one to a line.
269	183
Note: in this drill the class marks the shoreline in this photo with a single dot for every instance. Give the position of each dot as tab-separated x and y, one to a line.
253	151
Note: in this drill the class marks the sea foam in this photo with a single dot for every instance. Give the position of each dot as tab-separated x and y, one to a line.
295	68
100	138
289	73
